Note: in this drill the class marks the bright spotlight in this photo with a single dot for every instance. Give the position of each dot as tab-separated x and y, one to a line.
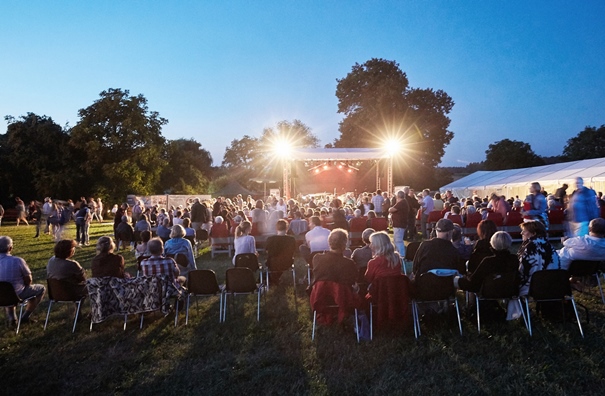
325	167
282	148
392	147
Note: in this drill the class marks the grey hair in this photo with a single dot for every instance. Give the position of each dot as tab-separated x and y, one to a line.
177	231
155	246
105	244
501	240
6	243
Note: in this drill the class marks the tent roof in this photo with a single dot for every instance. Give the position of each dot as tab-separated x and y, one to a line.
233	188
331	154
591	170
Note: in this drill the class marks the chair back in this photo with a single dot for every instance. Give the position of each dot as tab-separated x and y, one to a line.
410	251
61	290
556	216
240	280
8	297
513	218
181	259
202	282
191	239
434	216
201	235
358	224
584	267
247	260
496	217
473	220
500	285
430	287
550	285
379	223
456	219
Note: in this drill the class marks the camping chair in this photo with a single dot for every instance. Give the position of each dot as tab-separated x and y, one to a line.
550	285
9	299
431	288
241	281
587	268
329	299
410	252
63	291
139	261
203	283
389	298
497	287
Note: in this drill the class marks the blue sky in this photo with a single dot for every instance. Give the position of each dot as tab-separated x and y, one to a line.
529	71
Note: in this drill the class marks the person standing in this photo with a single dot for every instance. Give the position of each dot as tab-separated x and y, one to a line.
83	218
428	205
377	201
399	216
413	206
535	205
21	216
582	209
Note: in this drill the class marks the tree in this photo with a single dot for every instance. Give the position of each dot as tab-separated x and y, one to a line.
510	154
36	159
189	167
590	143
295	133
379	105
242	153
122	143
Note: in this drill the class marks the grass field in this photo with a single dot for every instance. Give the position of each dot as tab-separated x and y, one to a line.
277	356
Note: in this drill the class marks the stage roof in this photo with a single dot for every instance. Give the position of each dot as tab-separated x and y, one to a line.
333	154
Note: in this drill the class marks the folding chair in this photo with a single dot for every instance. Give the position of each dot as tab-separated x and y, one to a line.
291	269
250	261
241	281
9	299
390	295
329	299
551	285
410	252
62	291
581	268
431	288
203	283
497	287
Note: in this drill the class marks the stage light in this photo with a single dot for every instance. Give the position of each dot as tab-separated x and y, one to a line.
350	170
316	170
326	167
339	166
392	146
282	147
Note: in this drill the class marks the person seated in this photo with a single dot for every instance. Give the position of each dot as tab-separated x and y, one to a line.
298	226
15	270
502	261
124	233
316	240
331	265
158	264
61	266
586	247
219	228
177	218
178	244
244	242
280	252
163	231
371	215
454	215
189	232
357	223
464	249
272	221
366	206
362	255
447	207
485	230
535	253
142	224
106	263
259	218
142	249
386	261
339	219
438	252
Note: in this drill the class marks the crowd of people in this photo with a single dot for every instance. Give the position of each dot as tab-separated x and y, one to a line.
321	228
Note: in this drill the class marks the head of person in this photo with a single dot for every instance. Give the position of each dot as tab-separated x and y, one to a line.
65	248
357	213
143	217
579	182
6	244
501	241
401	195
281	226
456	234
166	222
494	197
105	244
219	220
243	228
259	204
444	229
338	239
426	192
178	231
315	221
145	236
437	196
456	209
186	222
365	235
535	188
532	229
471	210
596	227
381	246
485	229
371	214
124	219
155	246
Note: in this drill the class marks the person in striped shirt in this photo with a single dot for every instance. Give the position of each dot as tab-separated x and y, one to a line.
158	264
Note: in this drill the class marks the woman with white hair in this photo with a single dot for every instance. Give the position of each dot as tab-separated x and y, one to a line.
178	244
386	261
106	263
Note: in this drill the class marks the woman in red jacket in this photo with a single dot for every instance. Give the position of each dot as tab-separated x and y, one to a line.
386	261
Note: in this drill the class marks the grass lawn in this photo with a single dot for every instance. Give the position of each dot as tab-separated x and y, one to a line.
277	356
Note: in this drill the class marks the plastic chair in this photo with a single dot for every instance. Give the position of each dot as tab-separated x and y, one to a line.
9	299
550	285
431	288
250	261
203	283
241	281
587	268
497	287
62	291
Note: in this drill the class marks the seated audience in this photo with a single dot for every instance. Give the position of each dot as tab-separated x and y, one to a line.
316	239
464	249
142	224
141	249
587	247
244	242
178	244
386	261
362	255
219	228
106	263
437	253
332	265
163	230
124	233
280	252
62	267
485	230
298	226
189	232
535	253
158	264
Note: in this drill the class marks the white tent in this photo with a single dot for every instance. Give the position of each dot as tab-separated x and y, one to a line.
513	182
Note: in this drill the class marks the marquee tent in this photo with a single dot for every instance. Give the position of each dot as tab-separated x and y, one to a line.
513	182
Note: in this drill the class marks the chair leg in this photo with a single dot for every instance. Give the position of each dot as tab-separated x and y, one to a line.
19	319
125	318
176	313
600	287
357	325
314	320
415	318
187	309
478	318
522	313
258	303
575	309
458	314
50	304
76	318
308	275
294	280
220	308
267	277
141	323
371	324
528	316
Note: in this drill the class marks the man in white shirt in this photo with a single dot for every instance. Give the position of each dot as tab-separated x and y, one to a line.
587	247
428	205
316	239
377	201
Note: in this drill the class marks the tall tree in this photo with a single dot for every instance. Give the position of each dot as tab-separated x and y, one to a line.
510	154
189	167
36	159
379	105
123	144
590	143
